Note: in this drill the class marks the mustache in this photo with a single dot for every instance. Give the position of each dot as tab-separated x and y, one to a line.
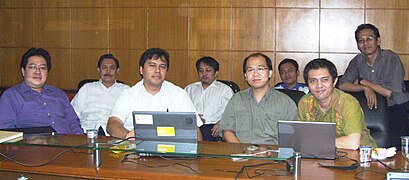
108	75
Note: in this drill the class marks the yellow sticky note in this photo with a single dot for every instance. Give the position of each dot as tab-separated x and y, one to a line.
165	148
165	131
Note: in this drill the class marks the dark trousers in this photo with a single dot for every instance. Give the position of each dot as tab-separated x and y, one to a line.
398	124
206	130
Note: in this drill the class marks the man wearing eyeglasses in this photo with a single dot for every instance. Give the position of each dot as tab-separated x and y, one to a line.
252	115
32	103
376	70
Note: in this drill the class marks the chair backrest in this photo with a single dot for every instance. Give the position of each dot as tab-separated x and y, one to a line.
337	81
376	119
82	82
232	85
293	94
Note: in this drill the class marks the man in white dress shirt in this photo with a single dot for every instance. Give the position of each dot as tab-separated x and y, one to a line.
152	93
209	96
94	101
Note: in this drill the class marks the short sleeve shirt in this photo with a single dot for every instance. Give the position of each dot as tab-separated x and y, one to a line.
254	122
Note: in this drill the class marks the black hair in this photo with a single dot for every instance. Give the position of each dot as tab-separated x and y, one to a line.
154	53
320	63
36	52
210	61
288	60
268	61
108	56
367	26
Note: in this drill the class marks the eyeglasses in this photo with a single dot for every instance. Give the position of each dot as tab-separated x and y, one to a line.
34	68
259	70
368	39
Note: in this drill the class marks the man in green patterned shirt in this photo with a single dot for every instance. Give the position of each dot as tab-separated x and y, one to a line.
328	104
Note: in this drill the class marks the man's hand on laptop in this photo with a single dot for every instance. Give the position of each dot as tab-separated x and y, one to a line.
129	134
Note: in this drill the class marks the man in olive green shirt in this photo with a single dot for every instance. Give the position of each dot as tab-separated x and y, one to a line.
251	116
327	104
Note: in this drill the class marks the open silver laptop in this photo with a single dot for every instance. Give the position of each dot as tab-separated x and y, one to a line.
172	133
312	139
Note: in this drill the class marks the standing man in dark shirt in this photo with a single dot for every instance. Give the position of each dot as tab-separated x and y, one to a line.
381	71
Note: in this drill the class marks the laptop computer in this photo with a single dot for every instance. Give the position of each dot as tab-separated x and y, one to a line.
312	139
165	132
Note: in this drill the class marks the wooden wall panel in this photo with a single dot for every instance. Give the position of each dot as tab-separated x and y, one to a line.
168	28
127	28
398	4
178	68
10	66
210	3
89	27
62	69
78	32
253	28
253	3
54	29
16	3
17	27
298	3
297	30
337	29
342	3
52	3
394	28
210	29
168	3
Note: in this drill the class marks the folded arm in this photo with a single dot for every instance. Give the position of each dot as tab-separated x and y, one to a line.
229	136
115	128
351	141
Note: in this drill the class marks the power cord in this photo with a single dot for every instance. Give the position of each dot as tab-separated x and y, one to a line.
44	164
131	158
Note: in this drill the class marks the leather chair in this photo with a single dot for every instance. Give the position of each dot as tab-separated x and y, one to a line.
376	119
337	83
293	94
81	83
232	85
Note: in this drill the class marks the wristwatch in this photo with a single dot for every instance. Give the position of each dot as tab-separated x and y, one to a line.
359	80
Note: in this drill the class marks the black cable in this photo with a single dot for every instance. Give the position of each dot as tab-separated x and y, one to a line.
356	174
127	159
391	169
44	164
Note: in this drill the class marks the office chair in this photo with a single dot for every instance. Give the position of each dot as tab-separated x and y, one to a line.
231	84
376	119
337	81
84	81
293	94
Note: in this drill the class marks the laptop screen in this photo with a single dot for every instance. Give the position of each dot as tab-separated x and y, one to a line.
312	139
165	132
165	126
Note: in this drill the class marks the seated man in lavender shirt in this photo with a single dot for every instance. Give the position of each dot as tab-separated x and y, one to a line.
32	103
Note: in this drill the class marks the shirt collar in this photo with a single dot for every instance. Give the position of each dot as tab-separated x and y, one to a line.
25	88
